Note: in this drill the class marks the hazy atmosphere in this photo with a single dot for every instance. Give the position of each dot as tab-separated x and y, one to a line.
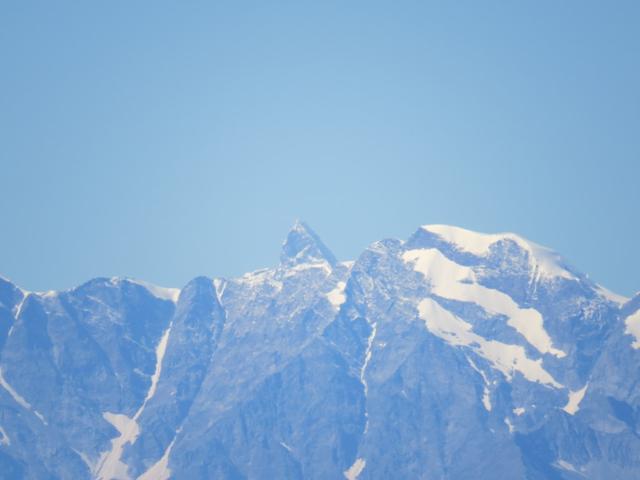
165	140
270	240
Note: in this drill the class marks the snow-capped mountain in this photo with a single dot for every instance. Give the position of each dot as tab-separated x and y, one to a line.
450	355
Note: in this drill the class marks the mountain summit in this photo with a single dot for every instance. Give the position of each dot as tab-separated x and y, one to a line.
452	354
303	245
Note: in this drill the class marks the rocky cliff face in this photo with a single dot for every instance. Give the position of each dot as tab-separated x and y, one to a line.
450	355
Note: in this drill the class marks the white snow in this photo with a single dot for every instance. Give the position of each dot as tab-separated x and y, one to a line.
301	267
519	411
486	395
109	465
160	470
367	358
4	438
85	458
542	261
18	307
611	296
633	327
457	282
258	278
573	404
164	293
486	399
287	447
509	425
219	286
506	358
567	466
40	416
337	296
466	240
355	470
161	349
19	399
363	370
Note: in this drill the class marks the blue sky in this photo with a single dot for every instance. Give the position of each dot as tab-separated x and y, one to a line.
165	140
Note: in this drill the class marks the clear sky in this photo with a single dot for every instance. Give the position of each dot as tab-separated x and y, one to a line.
164	140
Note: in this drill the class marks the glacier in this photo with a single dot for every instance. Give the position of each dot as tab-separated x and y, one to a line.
452	354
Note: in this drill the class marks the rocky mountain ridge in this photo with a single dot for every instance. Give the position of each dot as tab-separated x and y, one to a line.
452	354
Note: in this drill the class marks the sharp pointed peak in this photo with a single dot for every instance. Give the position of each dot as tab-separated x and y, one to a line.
303	245
300	225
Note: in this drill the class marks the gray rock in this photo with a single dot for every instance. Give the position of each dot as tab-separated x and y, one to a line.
319	369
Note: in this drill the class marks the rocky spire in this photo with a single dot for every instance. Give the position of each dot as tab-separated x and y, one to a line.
303	245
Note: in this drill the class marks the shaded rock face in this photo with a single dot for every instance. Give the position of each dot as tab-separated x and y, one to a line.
451	355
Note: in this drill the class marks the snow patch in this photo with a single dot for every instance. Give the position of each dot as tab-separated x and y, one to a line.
611	296
337	296
633	327
348	264
259	277
486	395
4	438
18	307
110	466
573	404
161	349
256	277
486	399
564	465
19	399
85	458
504	357
367	358
160	470
542	260
363	370
219	286
509	425
457	282
356	469
287	447
301	267
164	293
40	416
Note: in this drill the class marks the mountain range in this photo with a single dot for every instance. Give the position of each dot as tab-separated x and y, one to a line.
450	355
